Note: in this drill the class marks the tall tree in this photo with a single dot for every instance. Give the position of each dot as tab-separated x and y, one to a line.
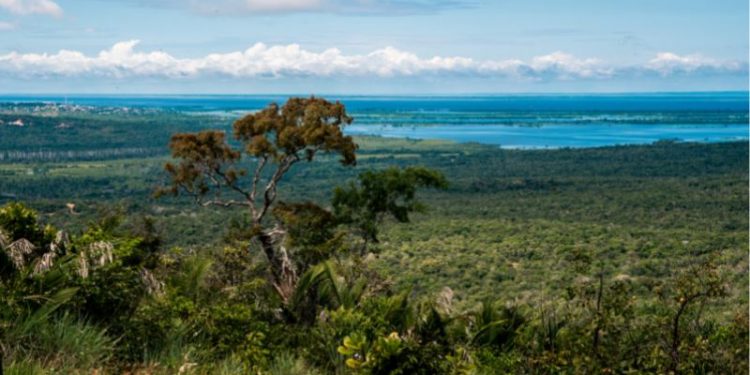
276	138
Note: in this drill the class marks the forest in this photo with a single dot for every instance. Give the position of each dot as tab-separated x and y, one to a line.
157	242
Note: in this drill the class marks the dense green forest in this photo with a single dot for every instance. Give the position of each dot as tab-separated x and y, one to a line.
423	257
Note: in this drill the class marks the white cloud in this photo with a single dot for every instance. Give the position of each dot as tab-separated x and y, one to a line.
5	26
254	7
667	63
280	5
279	61
566	66
24	7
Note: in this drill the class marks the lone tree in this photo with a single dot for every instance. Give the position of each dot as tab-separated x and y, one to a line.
276	138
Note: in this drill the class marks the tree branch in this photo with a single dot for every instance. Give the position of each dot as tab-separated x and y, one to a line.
233	185
223	203
254	189
269	193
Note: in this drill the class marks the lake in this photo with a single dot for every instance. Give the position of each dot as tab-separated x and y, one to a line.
512	121
558	136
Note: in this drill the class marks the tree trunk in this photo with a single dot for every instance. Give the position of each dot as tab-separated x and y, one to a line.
283	274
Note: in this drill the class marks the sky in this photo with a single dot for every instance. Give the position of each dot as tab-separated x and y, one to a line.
372	46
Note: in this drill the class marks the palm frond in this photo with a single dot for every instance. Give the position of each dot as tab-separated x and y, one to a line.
328	287
318	276
152	284
194	272
18	250
101	253
83	265
399	311
28	323
44	263
61	241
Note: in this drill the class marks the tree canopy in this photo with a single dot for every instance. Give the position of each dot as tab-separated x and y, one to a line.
275	139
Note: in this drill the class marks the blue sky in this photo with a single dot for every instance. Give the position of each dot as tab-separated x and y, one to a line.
372	46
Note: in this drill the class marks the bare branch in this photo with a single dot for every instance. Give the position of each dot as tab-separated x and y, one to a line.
232	184
269	193
258	171
223	203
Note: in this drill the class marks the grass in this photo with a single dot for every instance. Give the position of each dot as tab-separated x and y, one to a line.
61	343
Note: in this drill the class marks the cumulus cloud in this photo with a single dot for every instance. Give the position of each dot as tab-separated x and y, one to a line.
268	5
124	60
24	7
566	66
255	7
667	63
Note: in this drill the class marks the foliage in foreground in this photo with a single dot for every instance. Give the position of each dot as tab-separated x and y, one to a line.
215	312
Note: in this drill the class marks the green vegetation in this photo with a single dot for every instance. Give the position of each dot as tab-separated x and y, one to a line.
427	257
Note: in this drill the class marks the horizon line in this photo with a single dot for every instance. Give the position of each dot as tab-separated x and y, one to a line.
436	94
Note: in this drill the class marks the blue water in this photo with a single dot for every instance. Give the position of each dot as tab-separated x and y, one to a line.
695	101
557	136
518	121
